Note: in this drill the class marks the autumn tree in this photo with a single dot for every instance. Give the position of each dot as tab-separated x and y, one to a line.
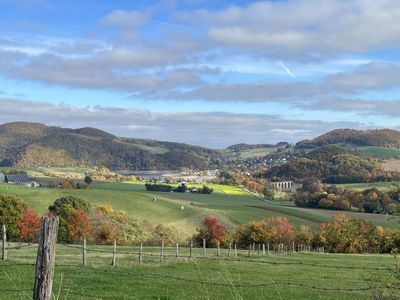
211	230
12	209
29	226
79	226
109	224
64	208
275	230
345	235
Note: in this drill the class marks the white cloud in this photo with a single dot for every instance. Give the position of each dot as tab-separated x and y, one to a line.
123	19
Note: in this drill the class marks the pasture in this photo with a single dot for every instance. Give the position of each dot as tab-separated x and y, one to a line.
231	205
383	186
292	276
373	151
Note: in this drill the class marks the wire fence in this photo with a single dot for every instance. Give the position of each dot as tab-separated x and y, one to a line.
273	255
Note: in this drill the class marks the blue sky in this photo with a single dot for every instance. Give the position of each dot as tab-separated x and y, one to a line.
211	73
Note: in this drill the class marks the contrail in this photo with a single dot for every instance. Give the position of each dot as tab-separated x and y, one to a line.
287	70
170	24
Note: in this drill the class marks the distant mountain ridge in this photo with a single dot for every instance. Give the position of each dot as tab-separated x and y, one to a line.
27	144
377	137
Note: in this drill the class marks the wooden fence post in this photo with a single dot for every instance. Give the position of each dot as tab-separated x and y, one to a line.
141	254
191	249
114	258
235	250
84	253
45	260
230	249
263	249
162	252
204	248
293	248
4	245
259	248
268	249
249	250
218	249
177	251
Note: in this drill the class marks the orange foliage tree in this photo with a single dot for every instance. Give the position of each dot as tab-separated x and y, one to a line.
211	230
79	226
29	226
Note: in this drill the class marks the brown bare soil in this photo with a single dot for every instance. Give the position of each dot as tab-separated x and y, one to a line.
392	165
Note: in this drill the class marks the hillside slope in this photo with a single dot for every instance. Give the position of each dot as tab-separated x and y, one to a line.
26	144
379	137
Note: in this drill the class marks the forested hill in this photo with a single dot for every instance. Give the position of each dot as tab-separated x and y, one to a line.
379	137
26	144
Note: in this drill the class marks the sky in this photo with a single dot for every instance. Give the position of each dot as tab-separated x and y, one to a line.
209	73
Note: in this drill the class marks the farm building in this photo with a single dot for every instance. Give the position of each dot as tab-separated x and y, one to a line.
2	177
17	178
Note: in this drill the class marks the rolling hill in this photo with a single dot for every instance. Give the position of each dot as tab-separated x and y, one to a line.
380	137
24	144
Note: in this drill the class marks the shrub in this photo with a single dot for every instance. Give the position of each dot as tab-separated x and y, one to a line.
12	209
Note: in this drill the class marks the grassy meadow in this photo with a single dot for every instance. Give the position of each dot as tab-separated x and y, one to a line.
292	276
185	211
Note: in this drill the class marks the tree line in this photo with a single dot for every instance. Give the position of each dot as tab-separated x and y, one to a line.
154	187
332	197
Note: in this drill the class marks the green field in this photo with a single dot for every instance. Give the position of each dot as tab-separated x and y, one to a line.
231	205
373	151
293	276
257	152
383	186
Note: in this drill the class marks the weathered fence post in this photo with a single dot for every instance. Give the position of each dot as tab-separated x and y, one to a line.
191	249
268	249
235	250
254	247
230	249
249	250
259	248
177	251
218	249
263	249
293	248
141	254
4	245
162	252
45	260
84	253
204	248
114	258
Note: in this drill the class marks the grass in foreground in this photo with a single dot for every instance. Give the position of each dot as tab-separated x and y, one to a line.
294	276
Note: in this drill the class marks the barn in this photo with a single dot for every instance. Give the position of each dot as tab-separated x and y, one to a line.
17	178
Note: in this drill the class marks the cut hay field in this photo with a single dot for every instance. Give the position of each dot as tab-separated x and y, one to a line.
293	276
